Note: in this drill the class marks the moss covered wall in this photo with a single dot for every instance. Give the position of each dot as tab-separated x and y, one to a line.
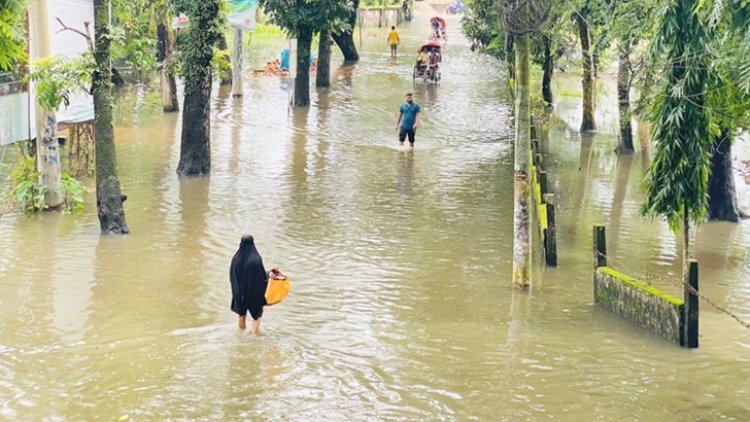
638	302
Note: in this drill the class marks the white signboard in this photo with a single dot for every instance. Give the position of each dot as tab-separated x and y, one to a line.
14	118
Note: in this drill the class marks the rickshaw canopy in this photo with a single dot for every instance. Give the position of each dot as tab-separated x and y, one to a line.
430	46
439	20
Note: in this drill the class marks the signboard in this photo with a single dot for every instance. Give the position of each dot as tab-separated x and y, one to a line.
14	118
242	14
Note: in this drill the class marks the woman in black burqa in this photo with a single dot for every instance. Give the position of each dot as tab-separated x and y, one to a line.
249	281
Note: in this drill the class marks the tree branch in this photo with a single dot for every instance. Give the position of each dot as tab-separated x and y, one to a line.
86	35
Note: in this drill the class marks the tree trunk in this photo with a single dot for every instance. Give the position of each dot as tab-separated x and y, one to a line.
197	55
109	197
548	67
323	75
623	101
521	188
237	63
588	80
162	40
722	195
165	55
195	145
169	92
302	82
345	40
223	46
509	56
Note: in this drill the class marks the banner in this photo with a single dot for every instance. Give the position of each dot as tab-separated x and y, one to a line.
14	118
242	14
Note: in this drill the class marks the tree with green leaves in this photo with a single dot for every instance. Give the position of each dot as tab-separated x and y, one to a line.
481	24
323	74
195	48
165	57
344	36
302	20
12	34
581	16
109	197
629	23
548	45
728	97
134	35
683	130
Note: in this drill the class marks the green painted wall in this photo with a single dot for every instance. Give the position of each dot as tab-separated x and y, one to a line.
639	302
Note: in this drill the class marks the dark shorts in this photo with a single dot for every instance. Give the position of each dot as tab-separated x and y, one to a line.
402	133
394	47
255	307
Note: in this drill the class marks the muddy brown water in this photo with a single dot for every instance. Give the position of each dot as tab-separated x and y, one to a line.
401	306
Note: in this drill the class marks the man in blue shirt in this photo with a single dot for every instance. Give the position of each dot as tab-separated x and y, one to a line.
408	119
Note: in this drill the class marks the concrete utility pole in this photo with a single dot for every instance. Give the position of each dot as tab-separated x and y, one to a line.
47	147
521	185
237	63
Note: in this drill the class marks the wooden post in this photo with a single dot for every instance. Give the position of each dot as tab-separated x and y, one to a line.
689	336
542	182
539	161
600	247
535	145
533	131
550	244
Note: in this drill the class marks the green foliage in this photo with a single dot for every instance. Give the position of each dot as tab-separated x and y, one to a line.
72	190
196	44
677	180
268	29
134	34
29	192
319	15
222	66
481	25
12	45
729	97
56	78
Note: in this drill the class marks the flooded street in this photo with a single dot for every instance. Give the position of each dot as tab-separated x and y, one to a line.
401	305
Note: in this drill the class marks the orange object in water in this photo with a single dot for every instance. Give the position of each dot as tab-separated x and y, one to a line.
278	287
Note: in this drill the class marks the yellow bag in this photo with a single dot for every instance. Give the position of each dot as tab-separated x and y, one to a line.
278	288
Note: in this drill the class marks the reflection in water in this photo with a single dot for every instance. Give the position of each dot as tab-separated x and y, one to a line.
644	136
622	175
405	177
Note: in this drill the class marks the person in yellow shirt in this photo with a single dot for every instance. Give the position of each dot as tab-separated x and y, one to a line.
422	60
393	41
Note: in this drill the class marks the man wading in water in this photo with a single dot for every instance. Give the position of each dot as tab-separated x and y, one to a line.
408	119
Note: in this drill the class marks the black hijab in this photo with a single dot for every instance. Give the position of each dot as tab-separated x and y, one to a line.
247	274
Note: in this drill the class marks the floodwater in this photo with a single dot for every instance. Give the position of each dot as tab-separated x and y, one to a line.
401	306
